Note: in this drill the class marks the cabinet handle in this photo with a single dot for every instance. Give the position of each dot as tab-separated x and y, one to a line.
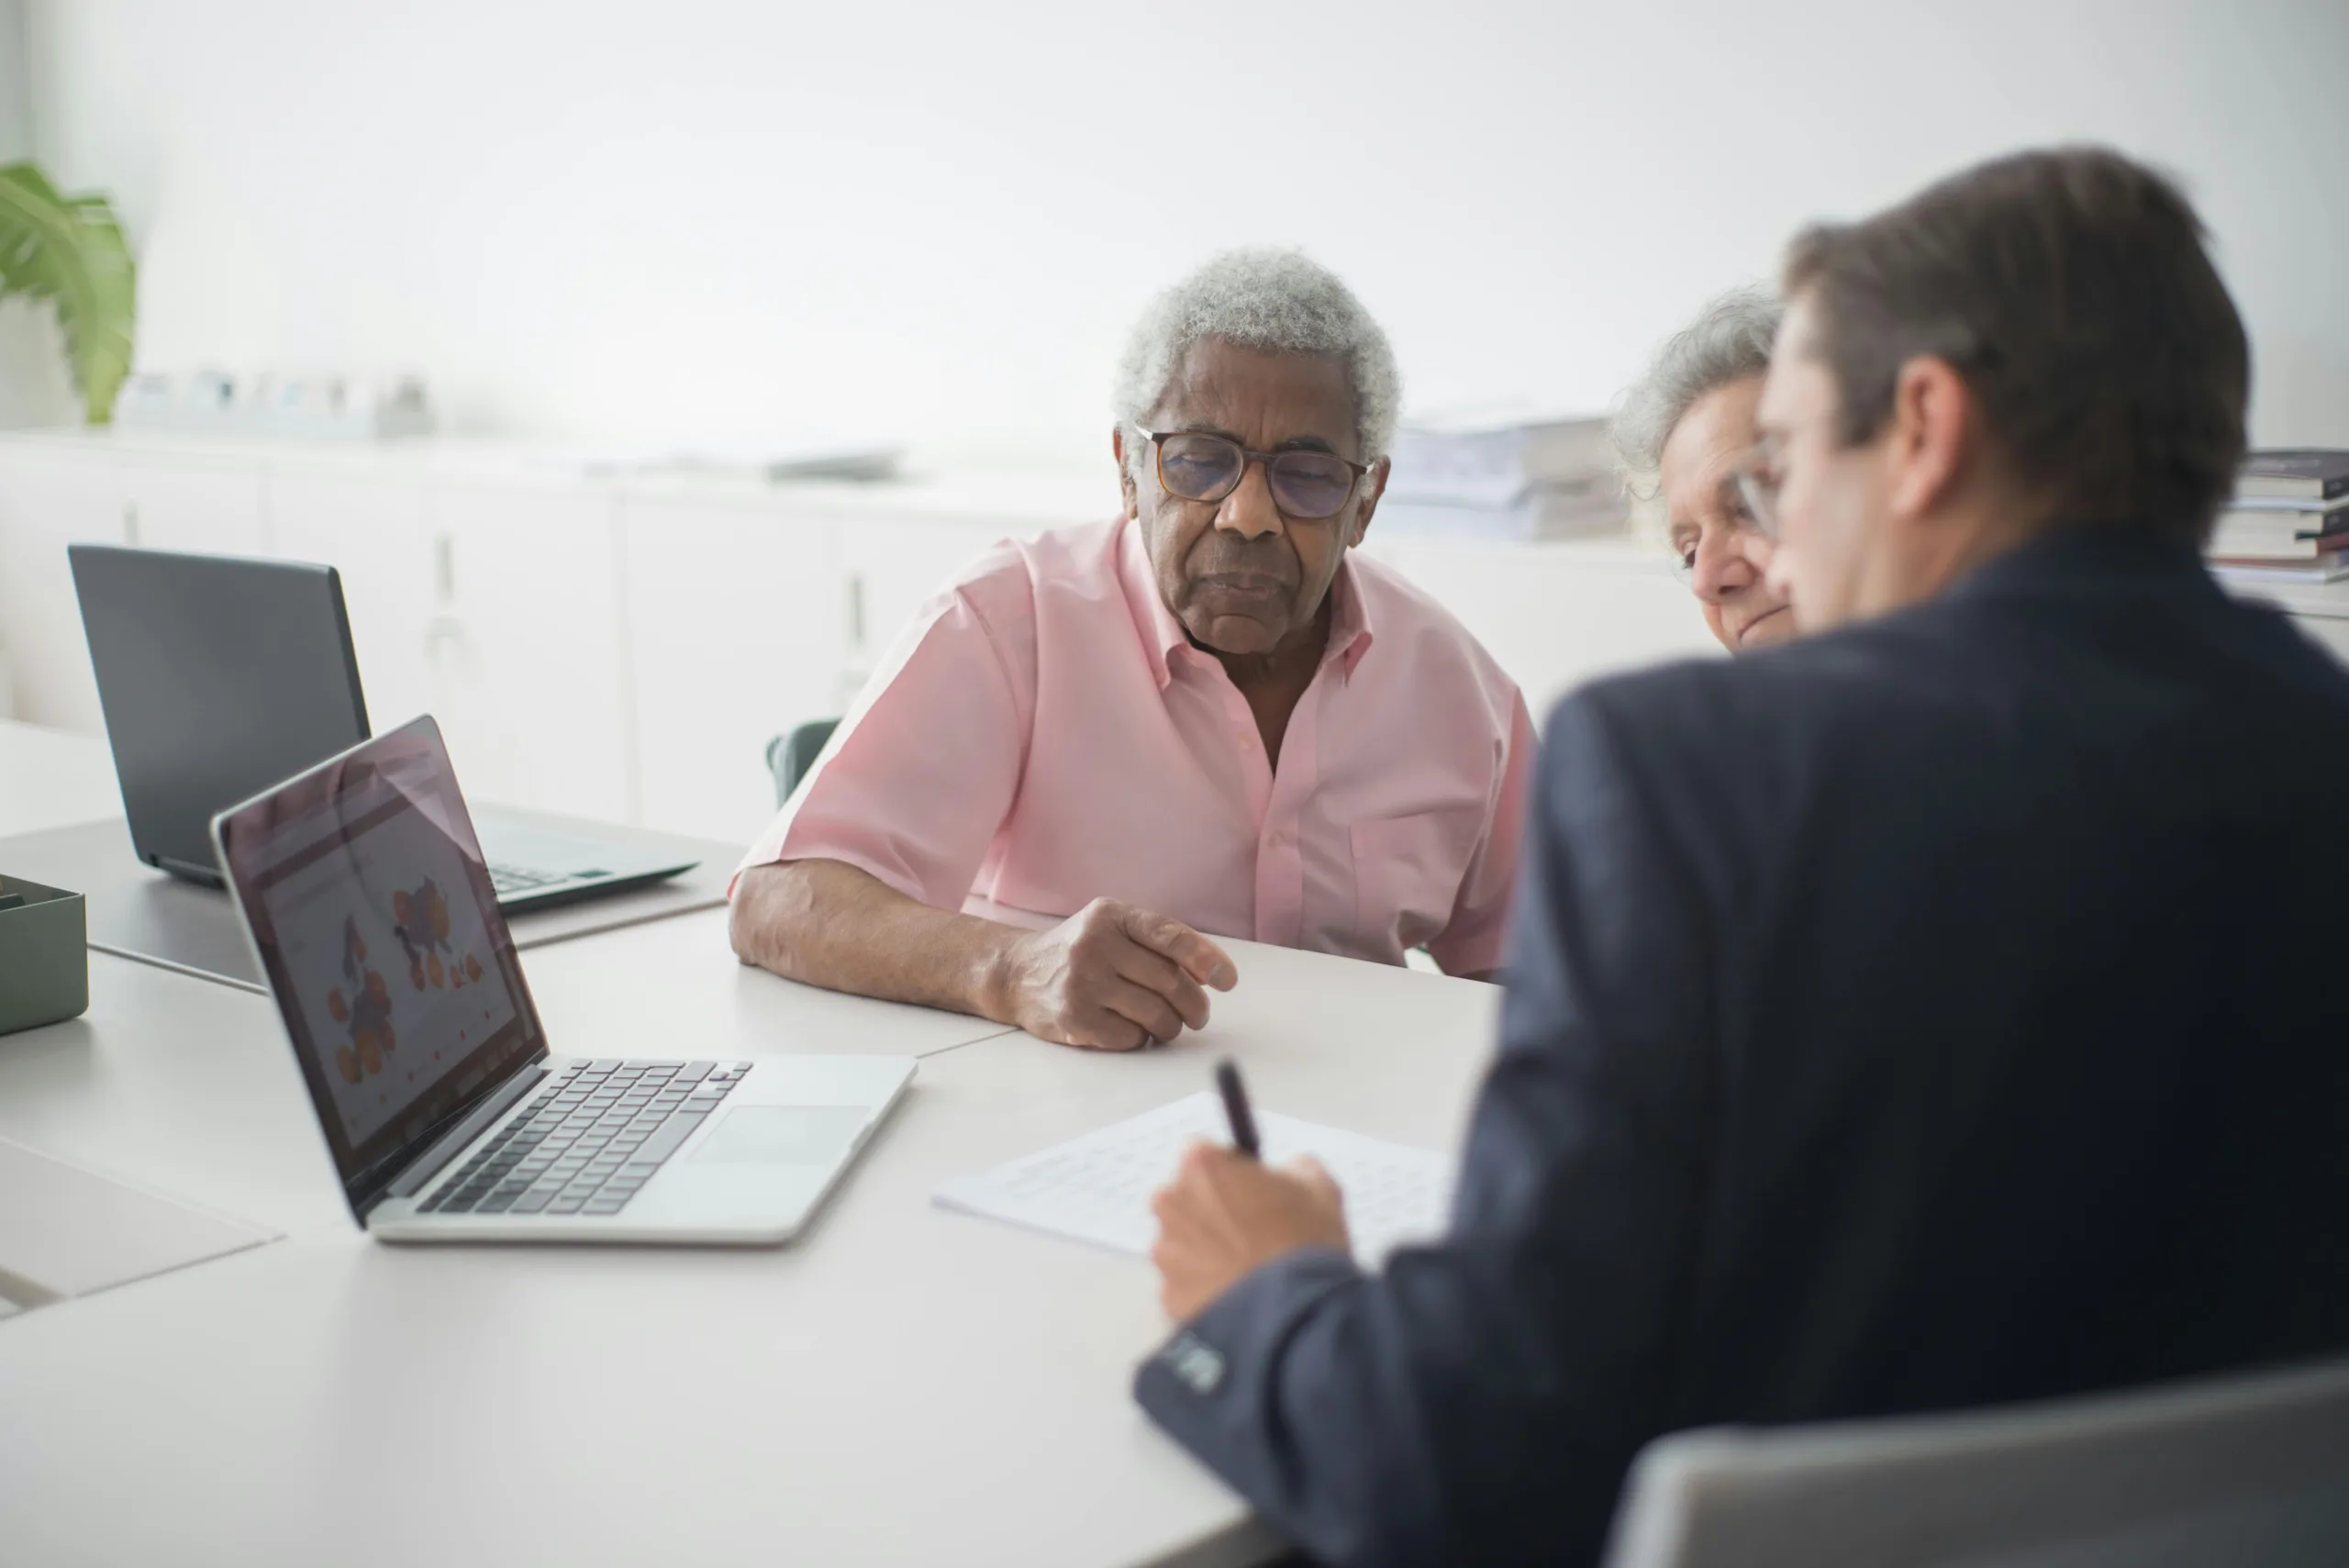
130	524
444	567
857	610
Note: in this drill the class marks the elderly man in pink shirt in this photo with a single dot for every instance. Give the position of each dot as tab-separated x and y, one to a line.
1101	748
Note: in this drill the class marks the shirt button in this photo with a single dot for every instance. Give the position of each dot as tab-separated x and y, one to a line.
1278	837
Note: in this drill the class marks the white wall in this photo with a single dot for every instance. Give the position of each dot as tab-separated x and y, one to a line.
16	106
710	222
34	386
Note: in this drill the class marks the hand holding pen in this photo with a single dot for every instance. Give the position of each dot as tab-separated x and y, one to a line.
1227	1214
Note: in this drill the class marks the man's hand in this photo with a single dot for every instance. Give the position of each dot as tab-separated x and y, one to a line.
1226	1216
1110	977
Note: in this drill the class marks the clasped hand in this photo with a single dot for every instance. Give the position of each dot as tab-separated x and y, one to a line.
1113	977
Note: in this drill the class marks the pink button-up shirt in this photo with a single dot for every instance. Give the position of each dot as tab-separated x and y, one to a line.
1045	734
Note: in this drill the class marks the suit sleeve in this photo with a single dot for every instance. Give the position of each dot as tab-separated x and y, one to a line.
1482	1399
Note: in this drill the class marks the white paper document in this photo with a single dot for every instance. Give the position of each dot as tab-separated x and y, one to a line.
66	1231
1097	1188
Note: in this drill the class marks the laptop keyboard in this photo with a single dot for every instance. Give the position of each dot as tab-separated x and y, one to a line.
595	1136
507	879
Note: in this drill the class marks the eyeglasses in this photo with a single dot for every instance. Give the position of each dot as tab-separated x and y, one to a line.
1306	485
1760	480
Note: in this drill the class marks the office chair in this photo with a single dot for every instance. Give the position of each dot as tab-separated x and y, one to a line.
790	756
2251	1470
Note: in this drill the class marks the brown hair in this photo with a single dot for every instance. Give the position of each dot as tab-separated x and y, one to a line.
2072	292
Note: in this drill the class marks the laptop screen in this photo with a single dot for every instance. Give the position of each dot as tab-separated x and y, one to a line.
364	889
220	676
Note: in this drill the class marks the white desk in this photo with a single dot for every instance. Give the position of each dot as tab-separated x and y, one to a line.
673	987
906	1385
191	1087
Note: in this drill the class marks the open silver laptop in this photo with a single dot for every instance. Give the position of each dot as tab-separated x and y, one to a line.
362	886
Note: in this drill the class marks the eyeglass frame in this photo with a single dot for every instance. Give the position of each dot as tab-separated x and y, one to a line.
1758	484
1157	439
1684	569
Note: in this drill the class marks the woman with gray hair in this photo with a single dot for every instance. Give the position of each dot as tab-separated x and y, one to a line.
1680	436
1102	747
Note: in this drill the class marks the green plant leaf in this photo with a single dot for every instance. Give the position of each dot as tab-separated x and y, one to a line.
70	251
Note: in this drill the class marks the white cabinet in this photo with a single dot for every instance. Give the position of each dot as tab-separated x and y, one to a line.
492	605
528	677
51	496
208	504
372	526
738	629
893	568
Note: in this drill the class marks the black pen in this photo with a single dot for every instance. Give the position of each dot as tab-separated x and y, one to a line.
1236	1111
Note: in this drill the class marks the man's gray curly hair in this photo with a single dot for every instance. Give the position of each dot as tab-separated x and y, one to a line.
1269	299
1728	341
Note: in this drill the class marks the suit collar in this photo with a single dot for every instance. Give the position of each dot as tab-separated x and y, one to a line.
2099	556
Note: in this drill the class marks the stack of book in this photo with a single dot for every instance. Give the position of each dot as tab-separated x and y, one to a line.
1549	479
2289	520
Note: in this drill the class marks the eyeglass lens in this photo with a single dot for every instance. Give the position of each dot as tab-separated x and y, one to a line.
1760	494
1207	467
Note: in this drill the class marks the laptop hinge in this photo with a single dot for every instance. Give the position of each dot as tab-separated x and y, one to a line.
192	871
451	1143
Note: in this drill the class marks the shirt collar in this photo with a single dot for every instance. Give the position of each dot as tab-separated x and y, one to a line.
1349	628
1164	640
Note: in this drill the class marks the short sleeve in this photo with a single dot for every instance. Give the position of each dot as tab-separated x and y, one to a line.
1477	937
917	779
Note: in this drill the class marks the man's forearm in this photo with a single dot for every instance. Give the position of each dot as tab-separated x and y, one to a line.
829	924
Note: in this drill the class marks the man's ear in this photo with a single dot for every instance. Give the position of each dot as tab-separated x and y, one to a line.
1374	486
1124	474
1932	429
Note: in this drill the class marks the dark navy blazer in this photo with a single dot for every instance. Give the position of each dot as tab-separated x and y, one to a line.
1947	1010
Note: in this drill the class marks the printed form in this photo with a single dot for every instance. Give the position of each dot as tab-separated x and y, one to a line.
1097	1188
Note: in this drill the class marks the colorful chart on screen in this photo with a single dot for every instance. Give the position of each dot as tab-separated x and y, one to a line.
399	983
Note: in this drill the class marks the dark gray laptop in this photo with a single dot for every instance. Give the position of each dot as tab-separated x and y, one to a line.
221	677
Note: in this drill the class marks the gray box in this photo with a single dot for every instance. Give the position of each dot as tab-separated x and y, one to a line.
44	956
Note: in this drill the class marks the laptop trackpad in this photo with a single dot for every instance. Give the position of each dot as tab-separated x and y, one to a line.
782	1135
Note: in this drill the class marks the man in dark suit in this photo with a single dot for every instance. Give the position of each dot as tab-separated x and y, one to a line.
1942	1010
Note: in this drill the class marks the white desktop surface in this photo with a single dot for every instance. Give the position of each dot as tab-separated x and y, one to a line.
673	987
904	1385
49	778
178	1083
191	1087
